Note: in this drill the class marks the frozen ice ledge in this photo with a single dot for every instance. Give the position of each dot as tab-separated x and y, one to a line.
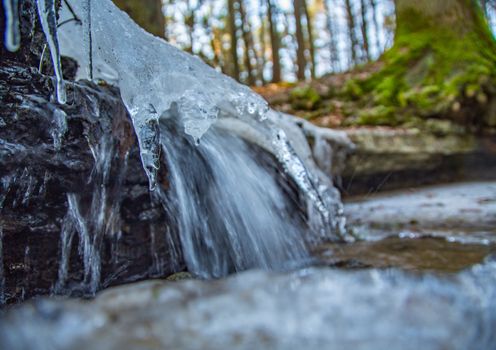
155	79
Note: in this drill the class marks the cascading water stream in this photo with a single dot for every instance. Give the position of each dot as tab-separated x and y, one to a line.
231	212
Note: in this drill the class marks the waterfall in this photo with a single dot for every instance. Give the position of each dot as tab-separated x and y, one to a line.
242	185
232	213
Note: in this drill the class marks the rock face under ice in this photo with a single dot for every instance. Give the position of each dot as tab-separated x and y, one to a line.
253	227
75	210
308	309
158	81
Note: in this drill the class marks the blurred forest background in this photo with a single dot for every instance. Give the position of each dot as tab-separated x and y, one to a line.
276	40
344	62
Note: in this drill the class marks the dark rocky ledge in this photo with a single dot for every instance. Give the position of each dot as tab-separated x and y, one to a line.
36	177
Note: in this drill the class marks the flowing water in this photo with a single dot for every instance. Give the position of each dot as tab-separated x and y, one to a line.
215	194
308	309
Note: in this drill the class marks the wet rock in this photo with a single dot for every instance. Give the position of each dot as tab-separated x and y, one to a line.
390	158
84	153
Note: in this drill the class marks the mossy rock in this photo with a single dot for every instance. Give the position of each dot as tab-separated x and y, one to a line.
179	276
379	115
305	98
352	89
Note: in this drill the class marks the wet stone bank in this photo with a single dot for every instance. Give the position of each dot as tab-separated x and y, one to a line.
39	183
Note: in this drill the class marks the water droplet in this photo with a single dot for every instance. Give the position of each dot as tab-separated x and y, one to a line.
252	108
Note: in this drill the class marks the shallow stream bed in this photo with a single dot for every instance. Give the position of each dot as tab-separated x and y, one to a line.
444	228
409	283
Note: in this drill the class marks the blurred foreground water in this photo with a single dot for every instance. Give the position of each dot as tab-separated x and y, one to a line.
407	289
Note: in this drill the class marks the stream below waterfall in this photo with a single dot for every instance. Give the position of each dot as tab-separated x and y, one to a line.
407	287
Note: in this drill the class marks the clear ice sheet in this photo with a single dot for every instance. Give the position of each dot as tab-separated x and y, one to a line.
151	75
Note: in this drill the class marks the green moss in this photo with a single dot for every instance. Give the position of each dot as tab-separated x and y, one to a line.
427	71
305	98
353	89
379	115
435	70
422	97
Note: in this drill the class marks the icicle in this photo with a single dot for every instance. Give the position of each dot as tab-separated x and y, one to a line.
88	36
48	18
149	144
12	32
59	129
296	169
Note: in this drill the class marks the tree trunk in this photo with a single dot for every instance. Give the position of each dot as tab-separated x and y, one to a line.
214	42
263	44
274	43
350	19
311	43
300	40
483	4
233	31
147	13
333	49
455	16
375	21
442	65
190	22
365	30
251	43
248	41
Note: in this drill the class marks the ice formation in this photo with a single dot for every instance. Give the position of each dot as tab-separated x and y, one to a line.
2	274
151	75
48	19
12	32
231	212
154	78
237	220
